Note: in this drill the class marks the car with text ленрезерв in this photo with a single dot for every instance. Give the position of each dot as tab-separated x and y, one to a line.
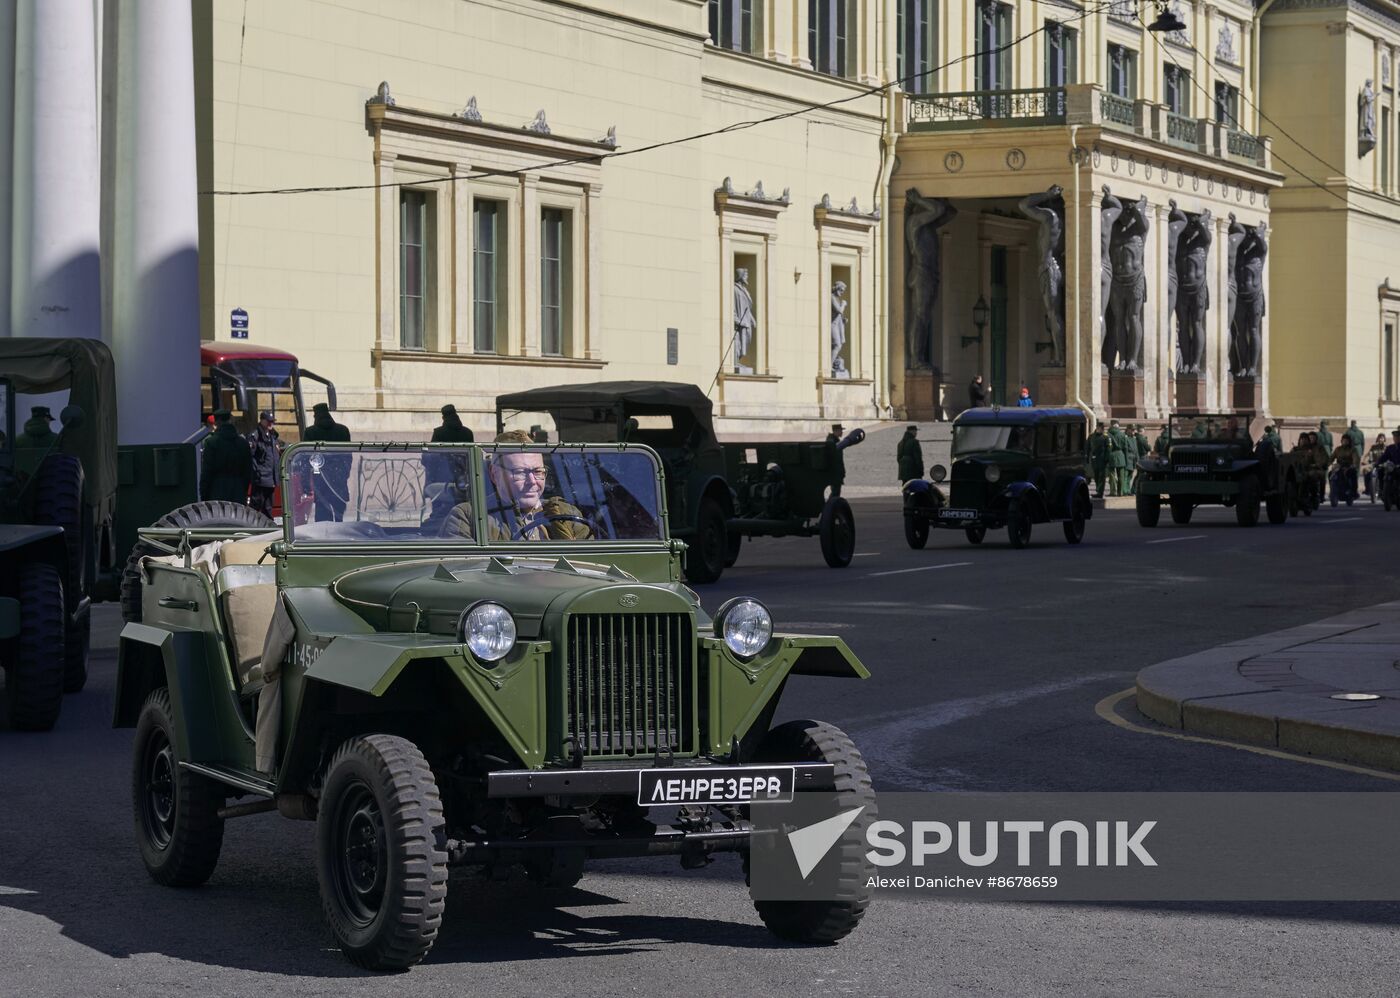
467	654
1211	460
1012	468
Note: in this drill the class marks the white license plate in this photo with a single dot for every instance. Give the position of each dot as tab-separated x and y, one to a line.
957	514
1192	469
715	785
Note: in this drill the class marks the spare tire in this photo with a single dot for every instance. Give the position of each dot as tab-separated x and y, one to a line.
195	515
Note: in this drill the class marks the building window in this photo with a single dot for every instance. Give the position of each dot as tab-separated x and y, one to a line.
734	24
917	27
1227	104
1385	149
556	280
1176	84
1122	72
1388	362
831	36
489	275
414	250
993	45
1061	55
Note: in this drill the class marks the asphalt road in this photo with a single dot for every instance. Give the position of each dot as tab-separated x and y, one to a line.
987	665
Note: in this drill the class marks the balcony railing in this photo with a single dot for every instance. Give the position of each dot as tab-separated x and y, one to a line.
1242	145
1117	111
1123	11
1183	131
982	108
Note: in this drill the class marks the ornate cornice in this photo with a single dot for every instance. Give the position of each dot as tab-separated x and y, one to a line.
1381	11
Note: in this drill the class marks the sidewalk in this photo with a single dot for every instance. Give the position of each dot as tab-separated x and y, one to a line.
1289	689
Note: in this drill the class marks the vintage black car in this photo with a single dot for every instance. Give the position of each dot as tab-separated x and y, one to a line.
1012	468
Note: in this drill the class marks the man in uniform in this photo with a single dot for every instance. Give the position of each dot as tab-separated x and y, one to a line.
266	449
839	467
226	464
1144	450
330	498
910	456
452	431
1271	434
37	431
1118	459
519	509
1323	438
1321	461
1346	459
1163	441
1098	458
1357	438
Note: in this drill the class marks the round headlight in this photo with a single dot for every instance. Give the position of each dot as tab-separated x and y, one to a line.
993	473
937	472
488	630
745	625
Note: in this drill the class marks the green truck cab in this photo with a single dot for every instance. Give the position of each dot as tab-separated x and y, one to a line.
487	658
1012	468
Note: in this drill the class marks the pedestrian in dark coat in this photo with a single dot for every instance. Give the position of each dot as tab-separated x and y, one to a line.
452	431
265	445
330	494
226	464
910	456
976	393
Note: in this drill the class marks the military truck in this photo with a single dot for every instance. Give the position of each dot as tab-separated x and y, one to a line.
1210	459
718	493
491	661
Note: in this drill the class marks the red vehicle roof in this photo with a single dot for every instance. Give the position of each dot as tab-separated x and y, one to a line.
215	351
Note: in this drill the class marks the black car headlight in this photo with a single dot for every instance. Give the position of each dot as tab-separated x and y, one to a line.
745	625
993	473
937	472
488	630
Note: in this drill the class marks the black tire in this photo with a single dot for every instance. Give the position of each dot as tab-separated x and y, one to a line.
1182	507
58	501
1149	509
825	921
178	827
1247	503
77	642
1276	506
196	514
734	541
837	528
916	530
1018	526
35	673
1074	526
708	548
381	852
975	534
1290	491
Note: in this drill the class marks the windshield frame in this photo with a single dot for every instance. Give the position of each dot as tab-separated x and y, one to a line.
1004	439
479	456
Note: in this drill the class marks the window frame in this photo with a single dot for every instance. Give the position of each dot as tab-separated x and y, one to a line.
1128	74
424	203
1232	92
1176	81
563	306
1061	40
841	39
995	70
736	25
916	32
499	279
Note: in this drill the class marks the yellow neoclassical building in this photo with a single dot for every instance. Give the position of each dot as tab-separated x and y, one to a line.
816	210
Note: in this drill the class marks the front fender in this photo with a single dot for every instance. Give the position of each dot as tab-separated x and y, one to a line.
151	657
922	494
1028	495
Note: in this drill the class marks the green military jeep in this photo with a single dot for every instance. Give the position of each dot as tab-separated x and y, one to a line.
486	658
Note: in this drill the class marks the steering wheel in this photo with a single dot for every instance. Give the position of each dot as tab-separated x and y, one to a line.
543	520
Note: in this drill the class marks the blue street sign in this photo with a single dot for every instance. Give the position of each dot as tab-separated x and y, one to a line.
238	324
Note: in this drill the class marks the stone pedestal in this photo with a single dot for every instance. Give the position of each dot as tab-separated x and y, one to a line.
1190	393
1051	387
923	396
1127	396
1247	396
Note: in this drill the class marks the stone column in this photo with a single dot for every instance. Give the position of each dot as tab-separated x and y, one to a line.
1157	331
7	127
386	257
592	274
1092	379
56	282
155	275
529	345
1218	320
460	212
799	38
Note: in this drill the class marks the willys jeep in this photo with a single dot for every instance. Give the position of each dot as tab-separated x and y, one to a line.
476	654
718	493
1211	459
1012	468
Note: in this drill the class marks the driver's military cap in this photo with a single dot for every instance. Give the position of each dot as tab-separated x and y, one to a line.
321	407
449	410
222	415
514	437
41	412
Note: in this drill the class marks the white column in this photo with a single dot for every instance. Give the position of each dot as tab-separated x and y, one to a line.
56	282
155	275
7	127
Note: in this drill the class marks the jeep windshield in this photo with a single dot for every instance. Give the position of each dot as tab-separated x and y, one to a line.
979	438
1211	429
473	494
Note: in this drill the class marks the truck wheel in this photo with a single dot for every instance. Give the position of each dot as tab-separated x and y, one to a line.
177	811
838	532
381	852
1149	509
733	542
35	677
1074	526
1247	503
704	557
1290	491
915	530
975	534
195	515
1018	526
58	501
846	895
1182	509
1276	505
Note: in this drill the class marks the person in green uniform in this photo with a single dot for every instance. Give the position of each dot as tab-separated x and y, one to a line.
37	431
225	464
838	468
330	497
1357	438
452	431
1163	441
1323	439
1143	449
1271	434
1098	458
1118	450
1321	461
910	456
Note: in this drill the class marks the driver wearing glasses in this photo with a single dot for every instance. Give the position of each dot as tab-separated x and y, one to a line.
520	510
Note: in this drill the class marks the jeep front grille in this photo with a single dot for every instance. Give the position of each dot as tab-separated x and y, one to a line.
630	684
1192	464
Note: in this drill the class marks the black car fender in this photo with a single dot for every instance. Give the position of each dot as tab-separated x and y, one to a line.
920	494
1029	496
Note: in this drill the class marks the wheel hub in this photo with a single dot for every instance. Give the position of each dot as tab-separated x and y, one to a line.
160	791
363	855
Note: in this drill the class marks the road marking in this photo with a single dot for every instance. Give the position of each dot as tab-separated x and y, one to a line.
866	554
1342	519
15	892
921	568
1106	709
1169	540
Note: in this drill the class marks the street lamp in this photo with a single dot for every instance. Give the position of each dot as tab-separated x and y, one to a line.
979	319
1167	22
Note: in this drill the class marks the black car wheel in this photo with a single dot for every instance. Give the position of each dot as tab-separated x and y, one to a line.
1018	526
916	530
1074	526
845	894
381	852
708	548
838	533
975	534
178	827
1149	509
58	501
36	668
1182	508
1247	503
1276	505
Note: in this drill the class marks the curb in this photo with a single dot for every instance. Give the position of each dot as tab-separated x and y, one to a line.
1279	689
